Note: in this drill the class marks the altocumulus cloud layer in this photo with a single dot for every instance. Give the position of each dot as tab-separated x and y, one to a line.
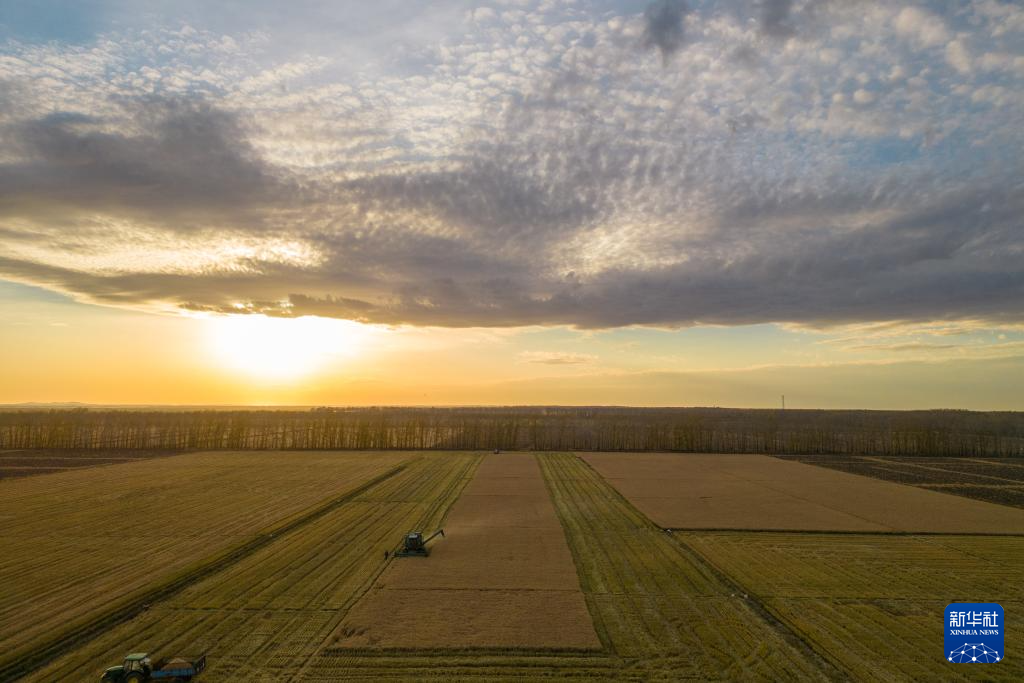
592	164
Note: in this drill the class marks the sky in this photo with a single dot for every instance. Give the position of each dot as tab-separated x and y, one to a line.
516	202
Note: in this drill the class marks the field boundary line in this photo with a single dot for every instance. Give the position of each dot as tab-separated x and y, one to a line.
24	662
790	635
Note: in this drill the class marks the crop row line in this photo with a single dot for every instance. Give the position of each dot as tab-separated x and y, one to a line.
661	610
437	509
789	632
26	660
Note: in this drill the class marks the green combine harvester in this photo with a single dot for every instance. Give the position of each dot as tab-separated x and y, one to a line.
139	668
414	545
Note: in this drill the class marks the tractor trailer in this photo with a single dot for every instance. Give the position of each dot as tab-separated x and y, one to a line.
139	668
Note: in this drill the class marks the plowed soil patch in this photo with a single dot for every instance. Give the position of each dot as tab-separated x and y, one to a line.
698	491
27	463
502	576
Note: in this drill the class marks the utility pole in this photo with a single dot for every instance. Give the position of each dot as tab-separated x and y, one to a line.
783	401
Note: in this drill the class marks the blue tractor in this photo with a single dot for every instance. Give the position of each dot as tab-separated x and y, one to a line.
139	668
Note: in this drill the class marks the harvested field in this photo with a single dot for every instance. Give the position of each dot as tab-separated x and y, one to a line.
873	604
546	571
470	618
660	611
451	664
995	480
700	491
27	463
501	577
83	543
261	618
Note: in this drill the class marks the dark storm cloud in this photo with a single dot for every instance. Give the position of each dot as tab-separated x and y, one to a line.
187	157
663	26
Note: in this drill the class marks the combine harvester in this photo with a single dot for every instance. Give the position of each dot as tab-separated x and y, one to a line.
414	545
138	668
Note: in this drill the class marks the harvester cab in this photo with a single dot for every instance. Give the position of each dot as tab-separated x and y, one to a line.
415	545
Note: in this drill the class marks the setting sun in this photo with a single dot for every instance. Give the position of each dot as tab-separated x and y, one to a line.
282	348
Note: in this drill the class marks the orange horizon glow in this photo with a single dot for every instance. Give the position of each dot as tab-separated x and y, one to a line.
57	350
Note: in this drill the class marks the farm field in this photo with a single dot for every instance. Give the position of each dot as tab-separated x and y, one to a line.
262	617
502	576
660	610
26	463
995	480
869	603
702	491
546	571
81	544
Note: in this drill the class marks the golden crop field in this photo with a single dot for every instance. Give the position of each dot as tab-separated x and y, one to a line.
78	545
656	607
268	612
546	571
869	603
711	491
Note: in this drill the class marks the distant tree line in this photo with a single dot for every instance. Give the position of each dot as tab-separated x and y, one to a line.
708	430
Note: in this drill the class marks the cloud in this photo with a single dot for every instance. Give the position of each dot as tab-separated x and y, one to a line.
958	56
664	26
178	158
921	25
775	18
862	96
556	358
905	346
530	172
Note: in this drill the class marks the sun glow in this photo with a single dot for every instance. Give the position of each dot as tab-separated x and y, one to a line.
283	348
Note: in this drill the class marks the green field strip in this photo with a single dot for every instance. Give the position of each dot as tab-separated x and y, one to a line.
870	604
22	662
660	611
